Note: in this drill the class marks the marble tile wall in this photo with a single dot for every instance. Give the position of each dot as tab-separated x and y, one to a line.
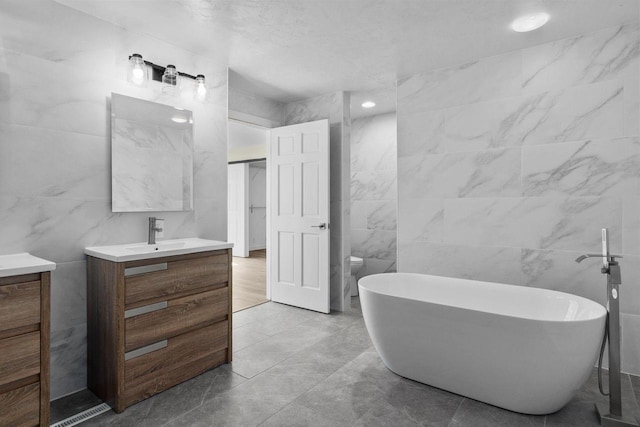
373	192
58	68
336	108
509	166
256	105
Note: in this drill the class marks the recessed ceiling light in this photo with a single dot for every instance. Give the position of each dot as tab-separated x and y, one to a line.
178	119
368	104
530	22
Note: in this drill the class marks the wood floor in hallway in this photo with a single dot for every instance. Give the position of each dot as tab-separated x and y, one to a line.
249	280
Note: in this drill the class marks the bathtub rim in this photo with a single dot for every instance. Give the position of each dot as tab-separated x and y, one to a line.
603	309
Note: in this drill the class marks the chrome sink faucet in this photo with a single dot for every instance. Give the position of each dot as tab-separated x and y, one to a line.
153	229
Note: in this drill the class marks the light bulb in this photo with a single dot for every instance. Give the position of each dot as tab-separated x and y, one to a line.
368	104
137	75
201	88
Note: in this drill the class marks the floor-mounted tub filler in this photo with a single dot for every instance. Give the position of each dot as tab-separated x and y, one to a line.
524	349
611	416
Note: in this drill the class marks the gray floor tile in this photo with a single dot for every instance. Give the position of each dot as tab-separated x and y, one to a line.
343	402
385	415
281	322
477	414
222	379
296	415
233	409
419	402
423	404
265	354
319	358
245	336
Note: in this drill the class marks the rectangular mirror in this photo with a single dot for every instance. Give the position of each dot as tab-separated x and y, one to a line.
151	156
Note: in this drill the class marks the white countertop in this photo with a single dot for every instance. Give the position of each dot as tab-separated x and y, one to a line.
23	263
142	250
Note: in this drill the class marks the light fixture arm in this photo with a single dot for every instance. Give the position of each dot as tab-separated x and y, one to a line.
158	71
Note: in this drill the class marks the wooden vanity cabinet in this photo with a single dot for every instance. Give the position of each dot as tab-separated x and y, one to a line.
155	323
24	350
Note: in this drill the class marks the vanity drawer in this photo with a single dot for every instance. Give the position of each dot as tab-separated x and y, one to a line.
181	315
180	277
21	407
19	305
184	357
19	357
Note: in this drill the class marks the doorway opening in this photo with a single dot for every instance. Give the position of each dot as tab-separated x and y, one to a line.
247	214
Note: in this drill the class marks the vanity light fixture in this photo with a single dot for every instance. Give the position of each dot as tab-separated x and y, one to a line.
368	104
141	71
529	22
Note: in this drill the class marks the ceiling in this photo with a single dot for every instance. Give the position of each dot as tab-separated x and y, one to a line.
295	49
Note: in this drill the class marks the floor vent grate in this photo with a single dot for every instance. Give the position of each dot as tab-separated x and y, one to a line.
83	416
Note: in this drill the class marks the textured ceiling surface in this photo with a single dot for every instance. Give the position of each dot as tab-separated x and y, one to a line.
294	49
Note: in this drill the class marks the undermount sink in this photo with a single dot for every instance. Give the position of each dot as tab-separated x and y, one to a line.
136	251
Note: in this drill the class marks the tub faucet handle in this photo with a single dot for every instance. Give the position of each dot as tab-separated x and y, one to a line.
612	257
585	256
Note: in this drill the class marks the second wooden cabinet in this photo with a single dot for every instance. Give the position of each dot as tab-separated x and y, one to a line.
154	323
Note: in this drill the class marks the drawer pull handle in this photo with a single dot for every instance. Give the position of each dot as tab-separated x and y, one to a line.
145	309
145	350
132	271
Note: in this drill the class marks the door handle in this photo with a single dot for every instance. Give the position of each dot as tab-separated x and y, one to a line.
322	226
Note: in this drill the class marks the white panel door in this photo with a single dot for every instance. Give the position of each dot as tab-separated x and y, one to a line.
237	207
298	250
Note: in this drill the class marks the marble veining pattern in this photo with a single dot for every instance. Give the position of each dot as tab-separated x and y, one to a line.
373	192
589	168
463	260
256	105
434	90
420	220
571	114
534	222
605	55
511	180
461	174
68	360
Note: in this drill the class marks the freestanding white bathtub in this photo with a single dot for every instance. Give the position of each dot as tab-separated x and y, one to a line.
524	349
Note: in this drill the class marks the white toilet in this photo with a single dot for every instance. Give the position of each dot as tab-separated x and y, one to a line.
356	265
